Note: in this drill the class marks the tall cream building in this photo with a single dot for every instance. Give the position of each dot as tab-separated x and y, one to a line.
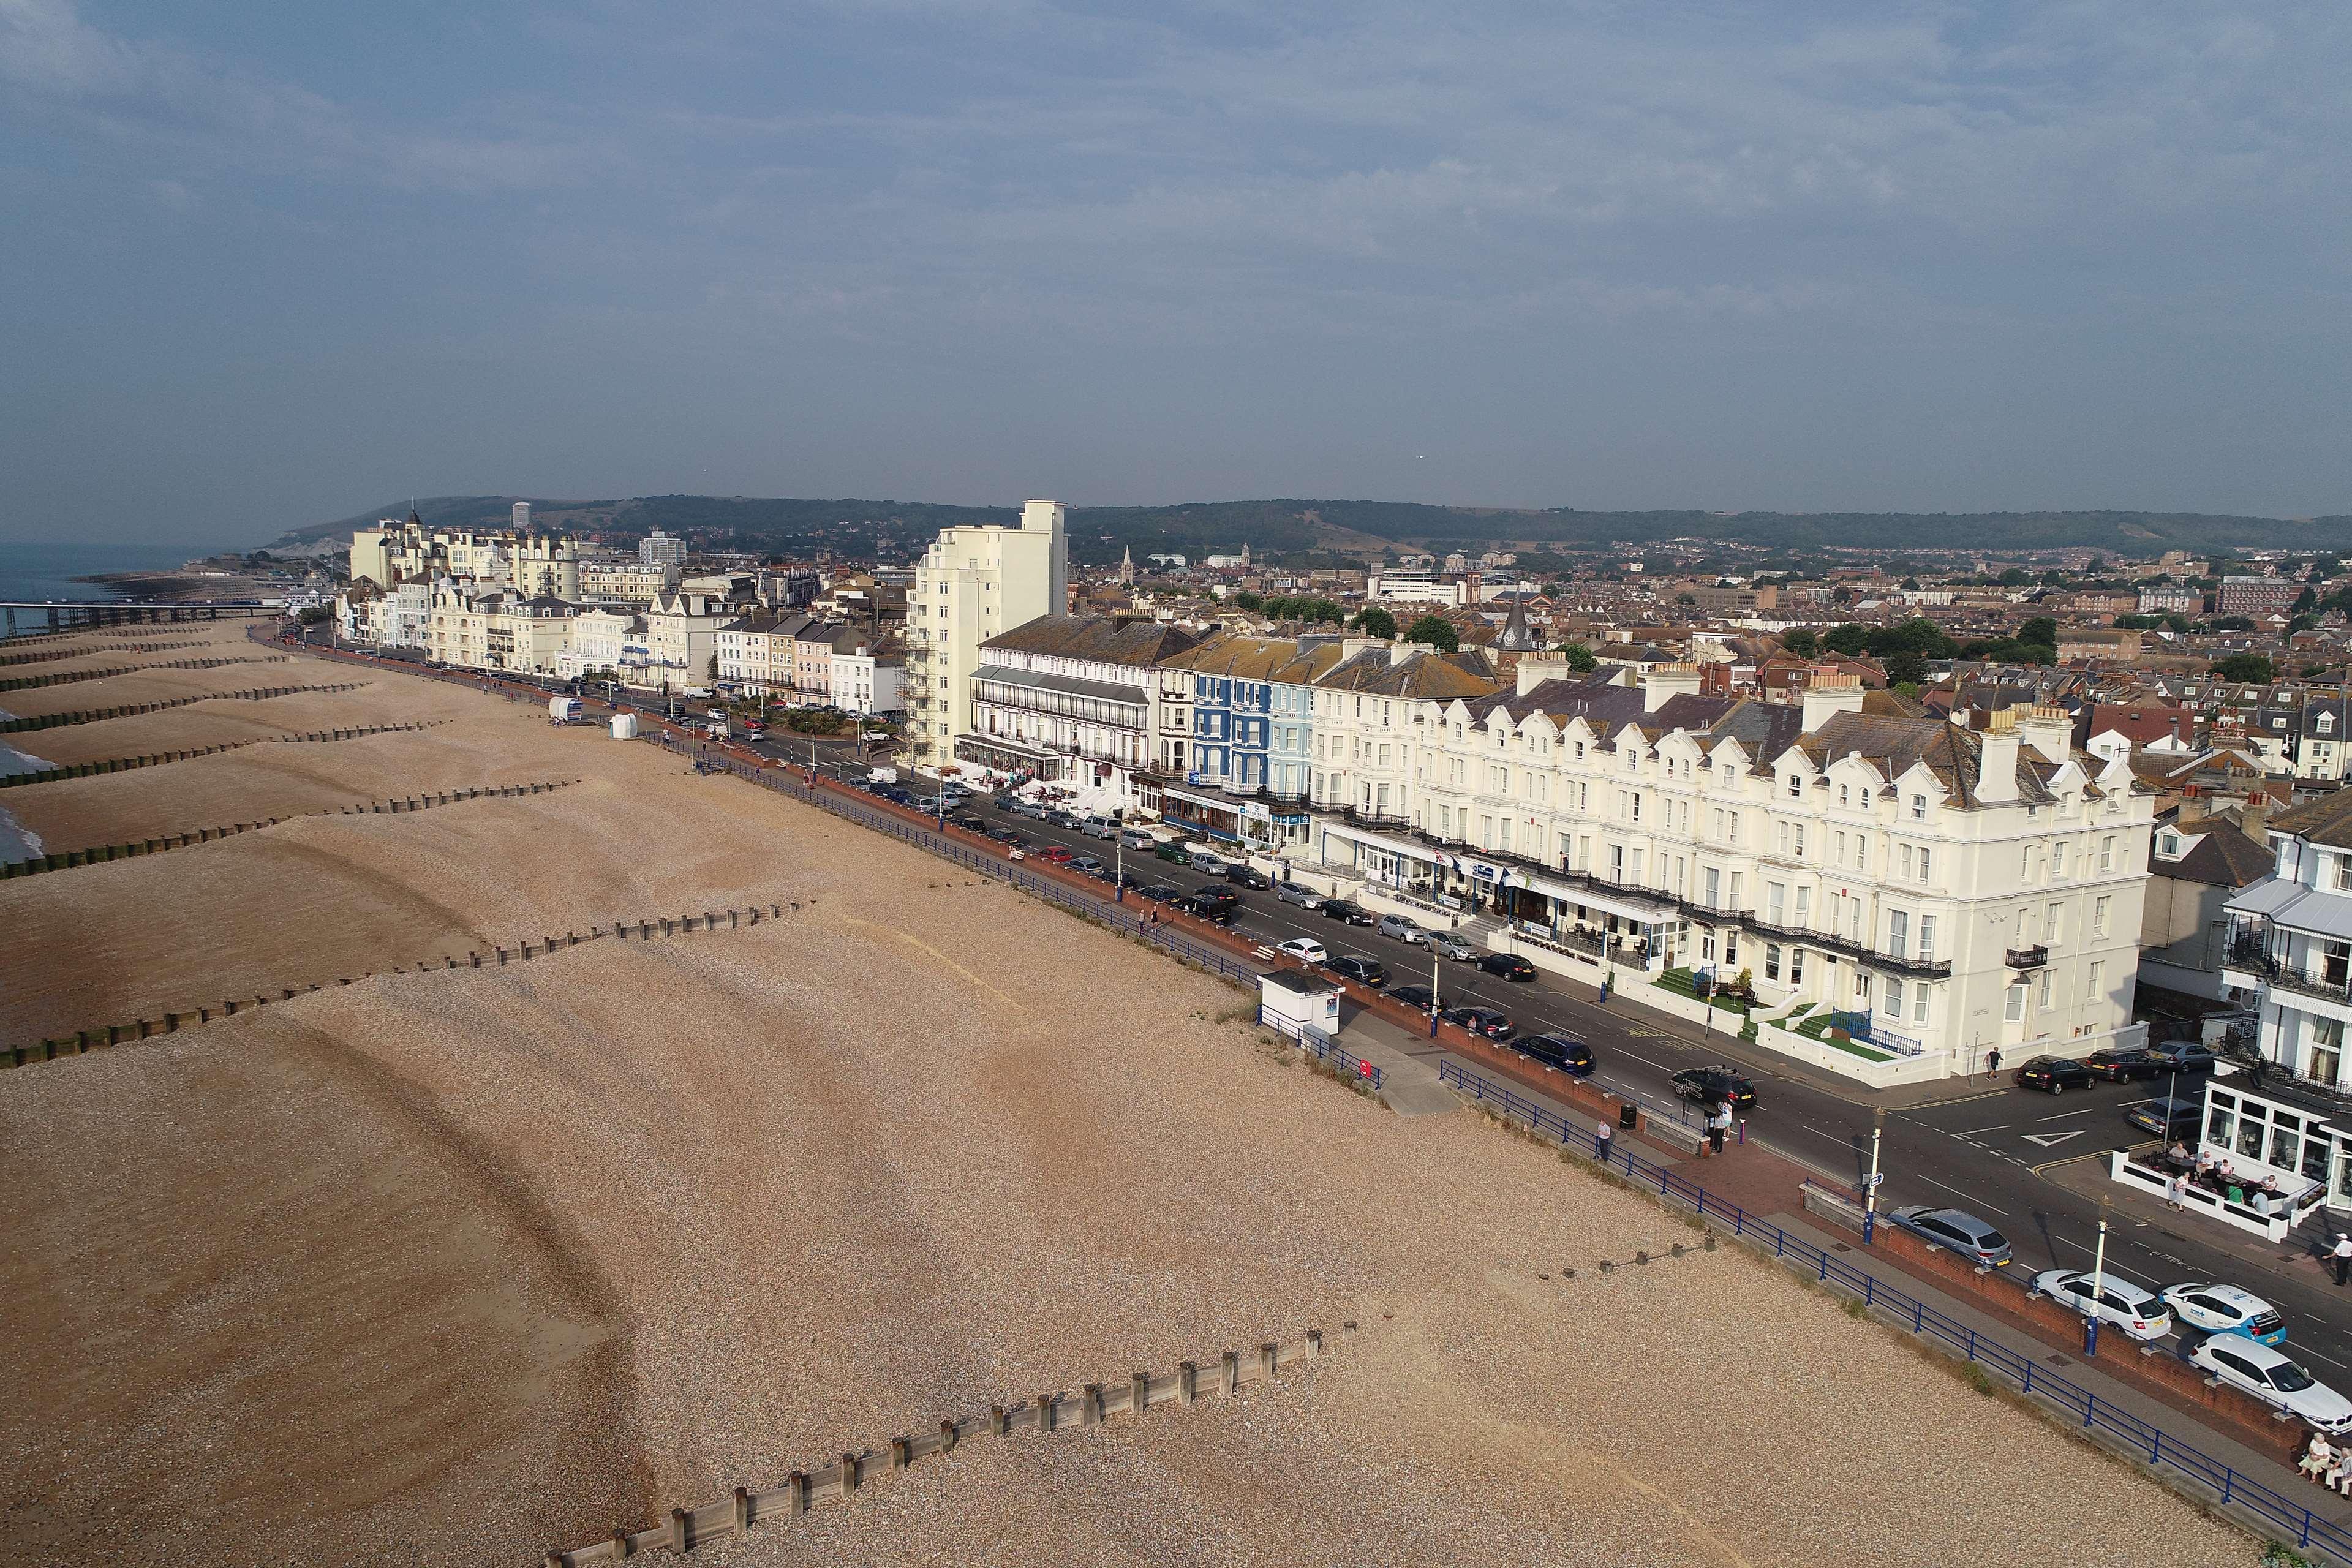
1939	890
973	583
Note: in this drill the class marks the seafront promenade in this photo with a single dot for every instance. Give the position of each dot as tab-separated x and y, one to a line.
463	1265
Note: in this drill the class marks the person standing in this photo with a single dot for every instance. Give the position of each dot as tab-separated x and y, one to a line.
1718	1125
1992	1061
1604	1132
2172	1191
2342	1253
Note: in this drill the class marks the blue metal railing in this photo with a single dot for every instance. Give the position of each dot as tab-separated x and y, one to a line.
1322	1046
2231	1487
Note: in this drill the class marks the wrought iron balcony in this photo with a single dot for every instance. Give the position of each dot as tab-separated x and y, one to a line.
2033	957
2285	978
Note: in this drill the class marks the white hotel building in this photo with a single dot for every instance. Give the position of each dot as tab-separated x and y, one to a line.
1944	891
2289	953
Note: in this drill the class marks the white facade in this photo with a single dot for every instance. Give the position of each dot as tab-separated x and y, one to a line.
973	583
605	639
659	549
1909	876
1418	588
866	684
681	639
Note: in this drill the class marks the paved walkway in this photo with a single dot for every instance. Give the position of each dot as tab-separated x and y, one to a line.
1407	1064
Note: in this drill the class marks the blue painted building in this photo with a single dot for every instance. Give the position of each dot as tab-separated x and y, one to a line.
1251	738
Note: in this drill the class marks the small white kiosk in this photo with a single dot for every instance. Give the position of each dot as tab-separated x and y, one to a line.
1294	1003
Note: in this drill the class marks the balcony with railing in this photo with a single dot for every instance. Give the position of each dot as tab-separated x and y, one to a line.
2033	957
1854	948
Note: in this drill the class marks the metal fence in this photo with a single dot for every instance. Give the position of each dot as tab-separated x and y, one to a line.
2228	1486
1322	1046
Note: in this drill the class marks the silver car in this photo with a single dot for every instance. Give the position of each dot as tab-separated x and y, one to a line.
1213	864
1292	893
1135	838
1403	930
1447	946
1958	1229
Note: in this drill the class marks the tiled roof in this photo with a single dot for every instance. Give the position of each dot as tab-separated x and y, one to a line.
1419	677
2223	858
1244	657
2326	820
1139	644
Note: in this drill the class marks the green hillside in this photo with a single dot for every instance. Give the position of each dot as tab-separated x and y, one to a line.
857	527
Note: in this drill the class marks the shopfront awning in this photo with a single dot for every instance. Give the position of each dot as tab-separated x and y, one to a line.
1389	842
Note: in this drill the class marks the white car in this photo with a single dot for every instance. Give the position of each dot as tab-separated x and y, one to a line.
2137	1313
2270	1377
1304	950
2226	1310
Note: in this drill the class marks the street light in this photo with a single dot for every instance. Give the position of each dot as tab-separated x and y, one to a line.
2098	1285
1870	1188
1433	988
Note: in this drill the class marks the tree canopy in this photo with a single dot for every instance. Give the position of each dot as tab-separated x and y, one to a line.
1376	622
1580	658
1434	631
2251	667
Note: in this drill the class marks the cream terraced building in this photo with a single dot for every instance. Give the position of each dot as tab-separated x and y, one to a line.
1942	890
973	583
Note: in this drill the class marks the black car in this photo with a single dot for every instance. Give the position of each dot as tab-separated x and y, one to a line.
1203	909
1420	997
1509	965
1158	892
1341	909
1573	1056
971	822
1249	877
1483	1021
1214	894
1007	837
1363	971
2053	1074
2181	1057
1122	879
1714	1086
2170	1119
2121	1067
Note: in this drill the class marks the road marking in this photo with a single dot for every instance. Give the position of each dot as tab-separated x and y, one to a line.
2320	1355
1843	1141
1958	1194
2052	1139
2063	1115
1972	1131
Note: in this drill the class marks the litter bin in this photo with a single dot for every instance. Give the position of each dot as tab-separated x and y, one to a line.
1628	1116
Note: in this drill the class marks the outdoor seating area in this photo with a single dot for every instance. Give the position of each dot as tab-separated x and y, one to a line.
2219	1177
2200	1184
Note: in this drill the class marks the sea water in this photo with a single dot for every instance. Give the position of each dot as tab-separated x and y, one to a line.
17	841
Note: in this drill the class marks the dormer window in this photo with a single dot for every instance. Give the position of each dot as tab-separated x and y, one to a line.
1919	808
1845	794
2168	846
1795	786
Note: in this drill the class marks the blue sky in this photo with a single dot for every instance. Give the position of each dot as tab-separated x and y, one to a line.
267	264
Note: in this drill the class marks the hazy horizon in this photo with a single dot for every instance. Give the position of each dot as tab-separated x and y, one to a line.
275	260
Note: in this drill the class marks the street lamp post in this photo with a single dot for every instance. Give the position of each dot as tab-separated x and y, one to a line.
1870	1188
2098	1285
1433	988
1118	868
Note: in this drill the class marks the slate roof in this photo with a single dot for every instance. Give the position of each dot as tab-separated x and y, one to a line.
1421	676
1242	656
2326	820
2223	858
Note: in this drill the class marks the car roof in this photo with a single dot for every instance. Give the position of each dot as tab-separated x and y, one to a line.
2253	1351
1958	1219
2245	1301
2117	1283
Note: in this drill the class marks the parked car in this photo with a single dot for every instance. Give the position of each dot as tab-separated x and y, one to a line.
1214	894
1134	838
1572	1056
1205	909
2137	1313
2181	1057
1715	1085
1303	949
2122	1066
1003	802
2271	1377
1292	893
972	822
2226	1310
2168	1119
1009	838
1958	1229
1483	1021
2054	1075
1445	945
1362	971
1401	928
1248	876
1213	865
1175	854
1160	892
1509	965
1106	831
1088	864
1420	997
1059	855
1341	909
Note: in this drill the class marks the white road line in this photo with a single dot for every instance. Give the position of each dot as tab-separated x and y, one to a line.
1843	1141
2112	1267
1974	1131
2063	1115
1644	1061
1972	1198
2318	1355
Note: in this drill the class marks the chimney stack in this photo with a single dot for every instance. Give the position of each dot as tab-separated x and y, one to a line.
2048	729
1997	758
1535	669
1827	694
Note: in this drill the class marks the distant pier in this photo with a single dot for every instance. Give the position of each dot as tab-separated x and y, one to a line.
26	618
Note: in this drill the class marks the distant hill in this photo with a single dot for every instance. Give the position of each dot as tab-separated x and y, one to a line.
1099	533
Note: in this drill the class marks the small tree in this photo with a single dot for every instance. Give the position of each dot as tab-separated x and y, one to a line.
2251	668
1437	633
1249	601
1800	641
1580	658
1376	622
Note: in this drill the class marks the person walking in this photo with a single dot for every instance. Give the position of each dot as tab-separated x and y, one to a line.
1604	1132
1718	1125
1993	1062
2342	1253
2173	1190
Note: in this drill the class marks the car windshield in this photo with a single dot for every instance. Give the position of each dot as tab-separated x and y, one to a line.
2290	1377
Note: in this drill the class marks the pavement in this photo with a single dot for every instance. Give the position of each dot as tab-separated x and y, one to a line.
1407	1064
